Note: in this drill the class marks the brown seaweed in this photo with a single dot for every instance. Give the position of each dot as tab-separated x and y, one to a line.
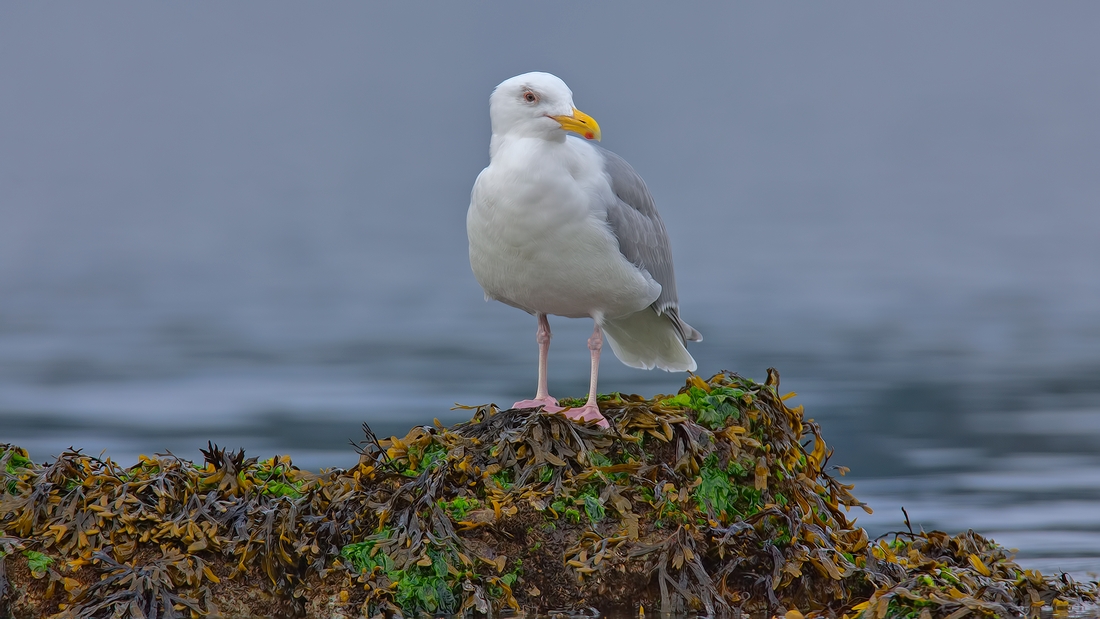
718	500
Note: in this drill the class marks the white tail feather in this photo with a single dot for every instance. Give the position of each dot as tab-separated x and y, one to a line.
647	340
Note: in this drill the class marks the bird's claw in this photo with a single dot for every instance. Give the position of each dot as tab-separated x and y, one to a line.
588	412
548	404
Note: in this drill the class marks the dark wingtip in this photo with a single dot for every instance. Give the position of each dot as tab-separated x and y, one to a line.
686	332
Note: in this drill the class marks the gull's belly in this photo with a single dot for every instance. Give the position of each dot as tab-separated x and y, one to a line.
553	259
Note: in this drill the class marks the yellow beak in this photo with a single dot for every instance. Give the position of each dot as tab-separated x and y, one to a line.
580	123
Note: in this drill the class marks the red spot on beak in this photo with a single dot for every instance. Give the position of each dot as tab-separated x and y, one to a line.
589	135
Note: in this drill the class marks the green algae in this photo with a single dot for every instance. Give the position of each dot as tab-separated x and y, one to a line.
718	499
13	460
37	562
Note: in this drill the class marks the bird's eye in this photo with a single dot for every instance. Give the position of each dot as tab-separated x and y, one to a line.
530	97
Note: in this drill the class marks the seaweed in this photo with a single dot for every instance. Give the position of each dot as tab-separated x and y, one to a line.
717	500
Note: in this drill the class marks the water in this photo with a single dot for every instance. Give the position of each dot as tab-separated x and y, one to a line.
255	235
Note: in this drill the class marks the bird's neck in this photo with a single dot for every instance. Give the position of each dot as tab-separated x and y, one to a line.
502	142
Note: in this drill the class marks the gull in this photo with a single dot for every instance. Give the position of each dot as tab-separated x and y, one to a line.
558	225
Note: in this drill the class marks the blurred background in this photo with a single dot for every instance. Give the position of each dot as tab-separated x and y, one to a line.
246	223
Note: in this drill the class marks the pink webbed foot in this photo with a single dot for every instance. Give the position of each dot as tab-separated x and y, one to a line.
548	404
588	412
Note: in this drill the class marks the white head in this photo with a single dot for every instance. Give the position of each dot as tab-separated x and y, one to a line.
538	105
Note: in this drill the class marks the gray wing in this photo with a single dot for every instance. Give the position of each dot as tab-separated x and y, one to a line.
634	220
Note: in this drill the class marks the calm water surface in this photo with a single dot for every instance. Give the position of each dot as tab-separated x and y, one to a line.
256	235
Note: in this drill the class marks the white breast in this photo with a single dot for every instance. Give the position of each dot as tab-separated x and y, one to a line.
539	238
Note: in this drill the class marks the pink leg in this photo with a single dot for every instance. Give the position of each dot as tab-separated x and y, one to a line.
590	411
542	395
